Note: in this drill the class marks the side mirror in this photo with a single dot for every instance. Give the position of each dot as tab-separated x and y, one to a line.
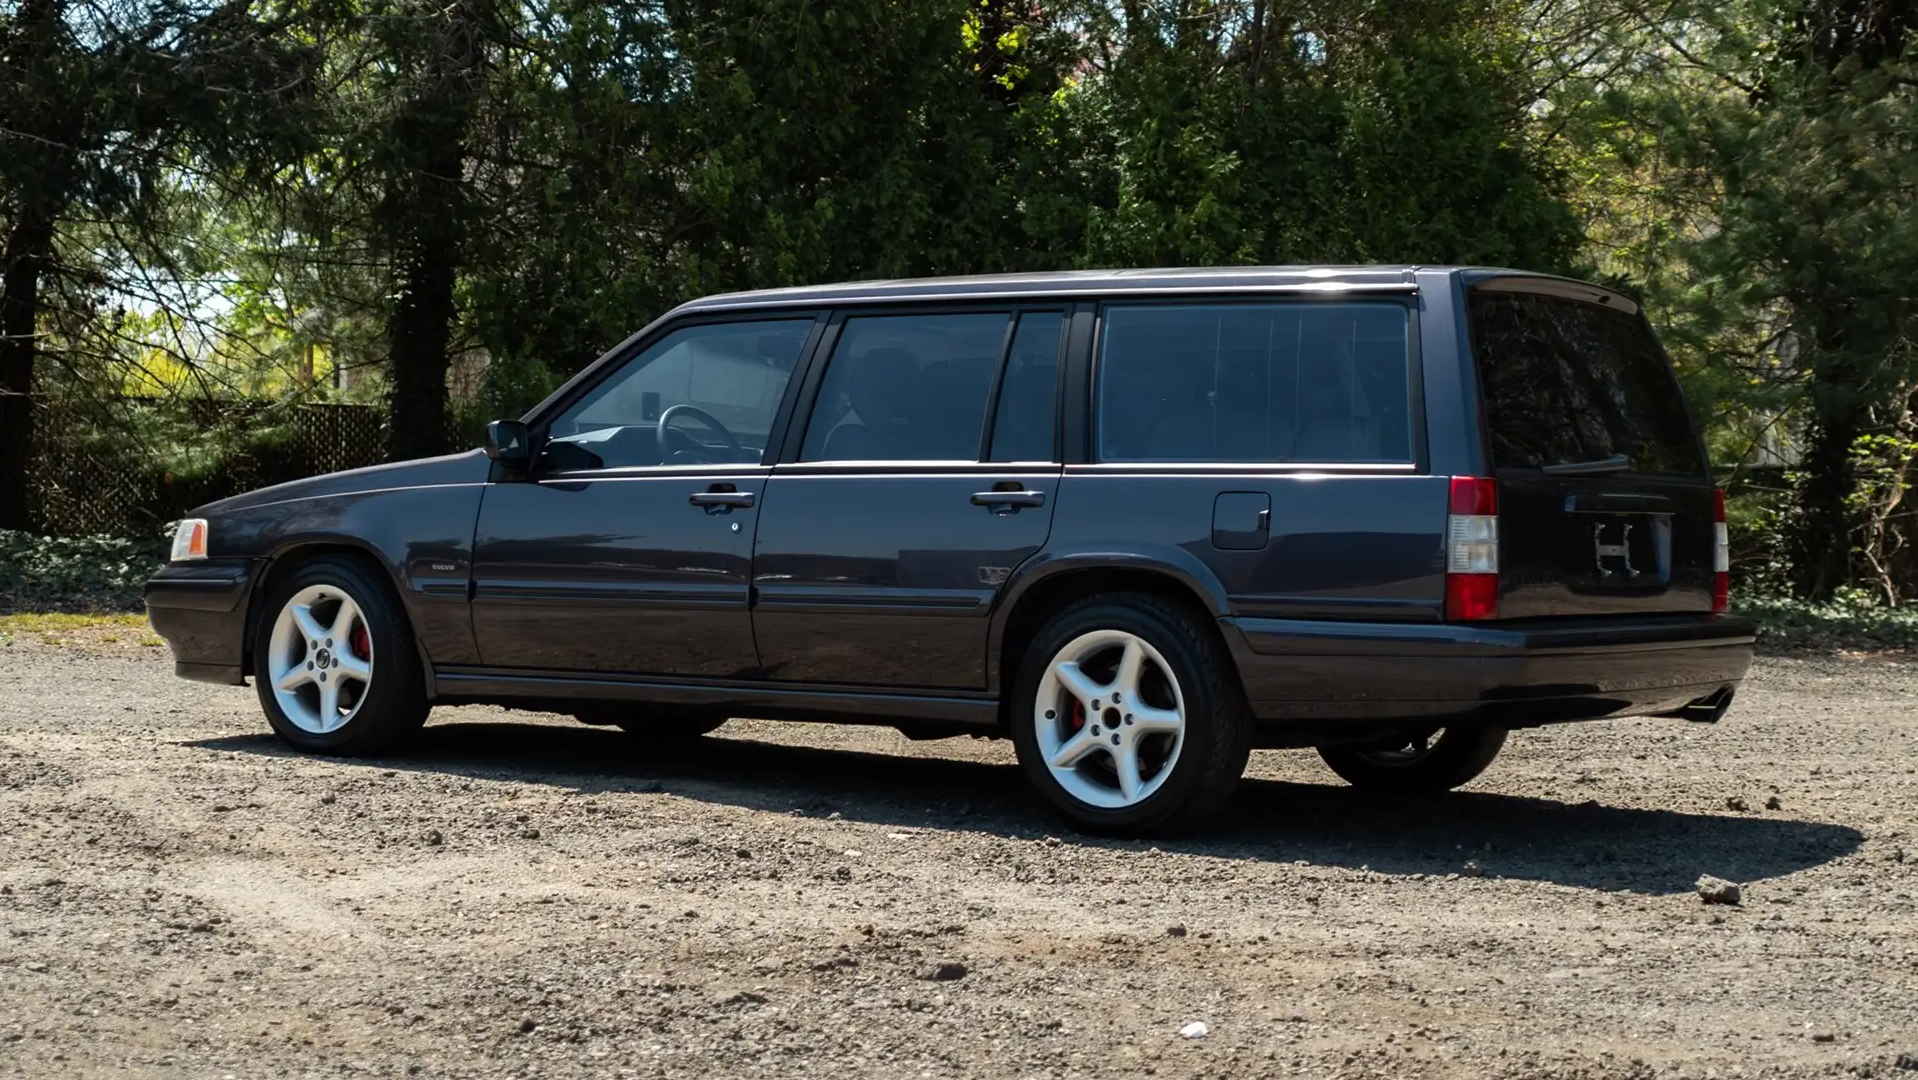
509	443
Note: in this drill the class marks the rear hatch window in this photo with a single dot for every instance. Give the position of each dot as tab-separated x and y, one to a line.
1605	501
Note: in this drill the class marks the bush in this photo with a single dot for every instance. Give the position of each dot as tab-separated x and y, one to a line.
86	573
1852	620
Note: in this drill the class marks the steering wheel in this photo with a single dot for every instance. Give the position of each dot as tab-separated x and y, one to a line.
701	415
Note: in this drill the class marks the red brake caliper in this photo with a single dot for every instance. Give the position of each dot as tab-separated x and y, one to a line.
1078	715
362	645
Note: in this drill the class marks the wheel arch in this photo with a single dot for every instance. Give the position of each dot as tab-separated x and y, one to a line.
1045	588
291	555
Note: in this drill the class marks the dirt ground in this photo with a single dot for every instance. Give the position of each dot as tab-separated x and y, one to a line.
524	896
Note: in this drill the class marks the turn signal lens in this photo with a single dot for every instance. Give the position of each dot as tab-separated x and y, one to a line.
1721	556
189	540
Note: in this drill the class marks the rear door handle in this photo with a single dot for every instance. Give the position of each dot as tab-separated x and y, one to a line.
1008	500
727	499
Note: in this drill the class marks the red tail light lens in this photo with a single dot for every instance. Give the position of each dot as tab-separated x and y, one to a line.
1471	550
1721	556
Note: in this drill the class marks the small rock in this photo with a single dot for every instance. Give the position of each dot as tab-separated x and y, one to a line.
949	971
1175	930
1824	1036
433	838
1195	1030
36	966
1737	803
529	834
328	799
1907	1061
1472	869
835	816
1773	803
389	773
1719	891
842	873
527	1025
744	853
745	997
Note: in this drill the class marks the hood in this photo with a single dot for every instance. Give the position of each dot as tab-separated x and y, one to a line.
470	467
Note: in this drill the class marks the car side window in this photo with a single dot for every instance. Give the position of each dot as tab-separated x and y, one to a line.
907	388
703	394
1255	383
1025	422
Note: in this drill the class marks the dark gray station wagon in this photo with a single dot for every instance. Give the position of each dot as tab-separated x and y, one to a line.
1138	522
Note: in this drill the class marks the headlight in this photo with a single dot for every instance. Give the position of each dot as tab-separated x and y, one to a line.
189	539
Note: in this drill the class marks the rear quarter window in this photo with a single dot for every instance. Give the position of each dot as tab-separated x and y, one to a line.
1253	383
1565	381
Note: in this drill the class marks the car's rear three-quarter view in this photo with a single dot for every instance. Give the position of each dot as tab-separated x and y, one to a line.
1140	523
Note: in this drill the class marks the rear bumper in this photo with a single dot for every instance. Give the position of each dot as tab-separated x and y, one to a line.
200	608
1513	674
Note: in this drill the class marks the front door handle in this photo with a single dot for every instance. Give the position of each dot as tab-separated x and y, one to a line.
721	501
1008	502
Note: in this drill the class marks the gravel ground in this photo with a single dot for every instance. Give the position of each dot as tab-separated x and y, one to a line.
524	896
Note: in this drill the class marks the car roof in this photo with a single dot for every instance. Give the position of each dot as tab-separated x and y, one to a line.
1327	279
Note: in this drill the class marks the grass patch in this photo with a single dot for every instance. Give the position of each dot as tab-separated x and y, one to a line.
69	628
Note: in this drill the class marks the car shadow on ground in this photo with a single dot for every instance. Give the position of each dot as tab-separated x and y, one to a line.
1583	845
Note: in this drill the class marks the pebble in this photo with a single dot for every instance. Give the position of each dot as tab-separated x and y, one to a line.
529	834
1175	930
1472	869
433	838
36	966
1773	803
949	971
328	799
527	1025
1195	1030
1736	803
1824	1036
1719	891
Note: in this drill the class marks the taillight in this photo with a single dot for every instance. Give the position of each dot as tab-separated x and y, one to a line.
1721	556
1471	550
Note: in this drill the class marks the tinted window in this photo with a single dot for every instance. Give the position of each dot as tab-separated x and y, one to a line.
1255	383
1566	381
734	373
906	388
1022	429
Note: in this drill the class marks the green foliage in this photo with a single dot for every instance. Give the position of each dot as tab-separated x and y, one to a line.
1852	620
86	573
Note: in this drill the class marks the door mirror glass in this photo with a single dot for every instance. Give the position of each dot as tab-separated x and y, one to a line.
508	443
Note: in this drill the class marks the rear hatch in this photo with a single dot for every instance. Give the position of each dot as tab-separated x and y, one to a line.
1605	502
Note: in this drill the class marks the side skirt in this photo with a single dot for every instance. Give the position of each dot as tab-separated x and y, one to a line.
922	714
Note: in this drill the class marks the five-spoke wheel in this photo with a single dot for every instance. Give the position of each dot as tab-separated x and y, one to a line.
1110	718
320	659
1127	716
334	659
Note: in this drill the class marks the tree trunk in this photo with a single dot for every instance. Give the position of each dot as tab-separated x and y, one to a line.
430	221
20	267
1823	532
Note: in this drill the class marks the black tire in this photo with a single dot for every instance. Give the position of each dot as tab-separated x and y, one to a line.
1455	758
664	724
1216	741
393	705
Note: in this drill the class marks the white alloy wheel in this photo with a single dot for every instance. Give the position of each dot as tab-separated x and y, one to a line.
321	659
1110	719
